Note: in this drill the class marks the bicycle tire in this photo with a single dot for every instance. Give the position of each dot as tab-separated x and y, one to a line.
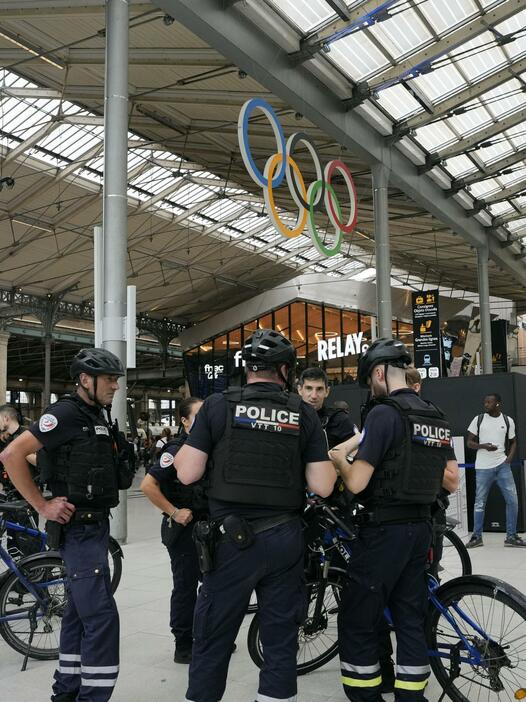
334	585
461	552
502	665
115	557
14	596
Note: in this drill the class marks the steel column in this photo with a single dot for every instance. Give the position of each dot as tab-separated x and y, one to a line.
382	249
46	394
485	317
115	211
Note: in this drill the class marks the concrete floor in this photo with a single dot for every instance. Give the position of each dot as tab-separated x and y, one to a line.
148	673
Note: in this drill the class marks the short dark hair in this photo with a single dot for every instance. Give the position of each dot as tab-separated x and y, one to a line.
10	411
412	376
314	373
185	408
495	395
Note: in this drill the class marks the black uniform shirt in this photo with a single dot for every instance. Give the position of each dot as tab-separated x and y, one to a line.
64	422
339	426
163	469
209	427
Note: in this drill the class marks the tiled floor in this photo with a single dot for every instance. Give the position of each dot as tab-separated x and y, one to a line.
148	673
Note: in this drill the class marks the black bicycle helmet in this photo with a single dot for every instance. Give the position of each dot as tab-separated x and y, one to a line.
96	362
390	351
266	349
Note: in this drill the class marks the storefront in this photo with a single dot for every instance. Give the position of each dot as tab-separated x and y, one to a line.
325	330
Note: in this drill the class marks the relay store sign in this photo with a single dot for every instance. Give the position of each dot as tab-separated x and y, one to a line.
337	347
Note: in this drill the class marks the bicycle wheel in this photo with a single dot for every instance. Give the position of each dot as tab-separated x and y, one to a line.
455	559
491	616
48	576
115	563
317	641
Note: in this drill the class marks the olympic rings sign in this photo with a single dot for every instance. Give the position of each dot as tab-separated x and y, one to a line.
282	166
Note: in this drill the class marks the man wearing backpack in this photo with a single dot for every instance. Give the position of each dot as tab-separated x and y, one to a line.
492	436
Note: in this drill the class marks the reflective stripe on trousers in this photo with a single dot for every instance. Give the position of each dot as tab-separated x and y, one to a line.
361	675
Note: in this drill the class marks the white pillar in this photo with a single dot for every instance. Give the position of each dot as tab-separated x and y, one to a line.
4	338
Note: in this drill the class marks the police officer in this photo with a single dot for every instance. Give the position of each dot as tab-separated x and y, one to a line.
263	444
402	462
181	506
314	389
78	458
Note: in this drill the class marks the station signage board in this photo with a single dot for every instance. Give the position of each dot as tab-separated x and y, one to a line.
426	333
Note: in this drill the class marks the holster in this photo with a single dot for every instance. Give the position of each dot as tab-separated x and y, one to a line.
55	534
204	537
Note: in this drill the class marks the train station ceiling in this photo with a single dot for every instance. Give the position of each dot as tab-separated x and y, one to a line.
436	89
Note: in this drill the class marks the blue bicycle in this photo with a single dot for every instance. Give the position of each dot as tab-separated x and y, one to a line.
32	597
33	589
475	628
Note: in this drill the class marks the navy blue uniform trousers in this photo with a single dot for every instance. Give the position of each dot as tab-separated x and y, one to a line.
273	567
186	576
387	569
89	638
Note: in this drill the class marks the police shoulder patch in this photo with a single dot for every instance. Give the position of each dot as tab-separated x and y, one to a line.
47	422
166	460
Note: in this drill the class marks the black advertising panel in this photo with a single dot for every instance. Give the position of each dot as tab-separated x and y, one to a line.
499	345
426	334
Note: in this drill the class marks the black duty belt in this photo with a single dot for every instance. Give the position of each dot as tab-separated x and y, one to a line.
260	525
394	515
84	515
265	523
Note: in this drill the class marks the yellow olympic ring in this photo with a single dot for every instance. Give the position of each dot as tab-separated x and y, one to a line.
268	194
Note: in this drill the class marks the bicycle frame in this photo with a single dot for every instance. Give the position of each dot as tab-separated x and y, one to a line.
33	589
336	538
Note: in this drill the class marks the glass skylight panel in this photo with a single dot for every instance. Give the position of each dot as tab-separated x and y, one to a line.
443	15
517	135
517	224
357	56
471	121
221	210
441	83
519	173
433	137
305	15
499	208
484	188
401	35
460	166
398	102
69	141
493	153
480	60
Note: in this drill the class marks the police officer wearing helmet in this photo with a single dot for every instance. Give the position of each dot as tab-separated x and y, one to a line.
262	445
77	458
403	461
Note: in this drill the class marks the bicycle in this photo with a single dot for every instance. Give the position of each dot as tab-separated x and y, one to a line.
454	560
32	601
28	539
471	658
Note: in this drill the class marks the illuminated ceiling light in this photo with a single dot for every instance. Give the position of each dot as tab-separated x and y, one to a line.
30	223
300	335
320	335
30	50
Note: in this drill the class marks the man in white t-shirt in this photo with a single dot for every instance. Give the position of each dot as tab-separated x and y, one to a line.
492	435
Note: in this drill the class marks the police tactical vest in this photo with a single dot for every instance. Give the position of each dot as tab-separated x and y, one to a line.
192	496
412	473
258	459
87	464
